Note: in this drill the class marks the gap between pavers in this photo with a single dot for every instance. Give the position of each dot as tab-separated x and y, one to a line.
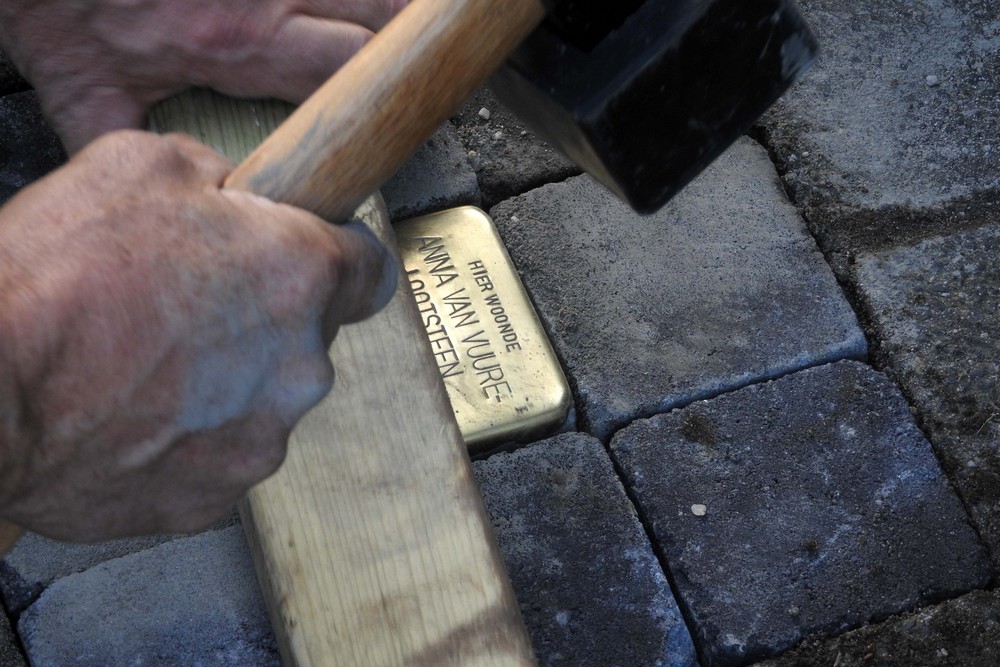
588	583
722	288
934	309
809	504
188	602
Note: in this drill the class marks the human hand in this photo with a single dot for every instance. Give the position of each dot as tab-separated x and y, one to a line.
98	65
159	337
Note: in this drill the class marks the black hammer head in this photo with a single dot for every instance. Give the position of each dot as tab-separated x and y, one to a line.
645	94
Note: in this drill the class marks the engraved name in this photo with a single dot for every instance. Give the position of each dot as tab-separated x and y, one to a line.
458	319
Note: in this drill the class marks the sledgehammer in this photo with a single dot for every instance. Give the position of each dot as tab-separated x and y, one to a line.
641	94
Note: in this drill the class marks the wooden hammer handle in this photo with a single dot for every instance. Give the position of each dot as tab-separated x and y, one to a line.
9	534
355	131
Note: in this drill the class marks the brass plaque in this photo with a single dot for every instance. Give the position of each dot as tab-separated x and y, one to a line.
501	372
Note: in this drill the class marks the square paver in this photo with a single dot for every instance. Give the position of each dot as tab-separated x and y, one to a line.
809	504
193	601
894	132
723	287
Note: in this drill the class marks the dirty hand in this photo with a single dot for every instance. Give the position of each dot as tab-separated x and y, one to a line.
98	65
159	337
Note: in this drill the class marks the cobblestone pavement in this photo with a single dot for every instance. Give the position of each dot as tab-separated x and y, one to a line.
786	445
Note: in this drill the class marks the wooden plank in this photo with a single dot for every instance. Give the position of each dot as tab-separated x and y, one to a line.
372	544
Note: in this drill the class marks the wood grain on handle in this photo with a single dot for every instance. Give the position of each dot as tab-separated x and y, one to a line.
9	534
384	103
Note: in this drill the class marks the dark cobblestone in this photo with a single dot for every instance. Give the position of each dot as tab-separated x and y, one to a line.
590	589
807	504
958	633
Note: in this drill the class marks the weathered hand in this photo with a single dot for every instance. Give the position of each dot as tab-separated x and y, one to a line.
159	337
98	65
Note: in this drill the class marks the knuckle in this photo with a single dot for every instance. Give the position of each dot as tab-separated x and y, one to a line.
263	462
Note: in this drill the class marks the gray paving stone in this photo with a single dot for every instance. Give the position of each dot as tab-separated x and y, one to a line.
10	656
877	150
591	590
934	309
29	148
36	562
959	633
721	288
809	504
193	601
438	176
509	159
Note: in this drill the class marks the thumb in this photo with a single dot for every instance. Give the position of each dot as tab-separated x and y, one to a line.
80	119
369	277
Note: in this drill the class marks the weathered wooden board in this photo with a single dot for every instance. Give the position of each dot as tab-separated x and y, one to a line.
371	543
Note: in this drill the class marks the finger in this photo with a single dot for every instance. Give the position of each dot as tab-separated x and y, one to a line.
81	119
367	276
372	14
301	382
300	57
210	166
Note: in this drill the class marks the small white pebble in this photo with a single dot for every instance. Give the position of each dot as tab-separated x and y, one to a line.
524	133
484	113
805	153
932	80
943	652
514	218
699	510
498	135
